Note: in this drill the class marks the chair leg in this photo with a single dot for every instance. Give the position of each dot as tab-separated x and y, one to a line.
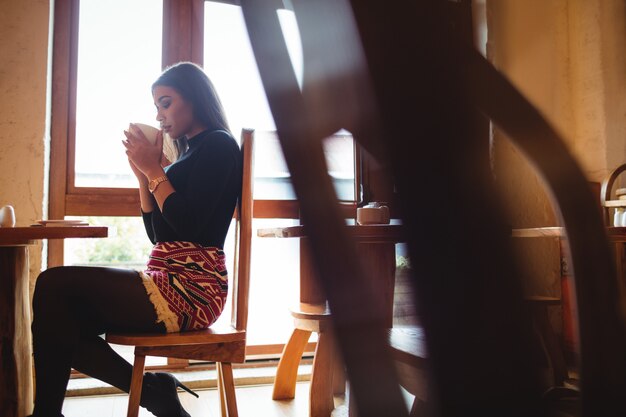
228	385
135	386
339	374
221	391
321	395
287	371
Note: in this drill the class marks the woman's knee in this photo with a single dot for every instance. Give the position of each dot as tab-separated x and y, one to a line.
48	285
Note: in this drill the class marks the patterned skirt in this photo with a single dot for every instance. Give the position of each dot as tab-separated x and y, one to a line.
187	283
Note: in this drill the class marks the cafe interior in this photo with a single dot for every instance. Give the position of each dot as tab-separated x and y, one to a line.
432	200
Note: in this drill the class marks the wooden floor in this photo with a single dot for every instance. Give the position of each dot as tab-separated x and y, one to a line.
252	401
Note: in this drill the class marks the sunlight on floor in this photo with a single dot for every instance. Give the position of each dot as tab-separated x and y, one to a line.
251	401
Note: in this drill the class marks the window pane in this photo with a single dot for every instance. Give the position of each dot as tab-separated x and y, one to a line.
127	246
272	180
229	62
119	56
339	152
274	284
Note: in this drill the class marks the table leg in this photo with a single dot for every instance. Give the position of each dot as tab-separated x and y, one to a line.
380	260
287	371
321	401
16	394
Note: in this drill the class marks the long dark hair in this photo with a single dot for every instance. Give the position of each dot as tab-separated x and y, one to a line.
190	81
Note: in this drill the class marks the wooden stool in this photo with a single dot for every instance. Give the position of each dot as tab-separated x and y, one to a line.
327	366
376	245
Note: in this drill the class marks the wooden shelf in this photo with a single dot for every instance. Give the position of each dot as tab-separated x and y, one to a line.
615	203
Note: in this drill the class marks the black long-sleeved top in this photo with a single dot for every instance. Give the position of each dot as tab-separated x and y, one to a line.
207	183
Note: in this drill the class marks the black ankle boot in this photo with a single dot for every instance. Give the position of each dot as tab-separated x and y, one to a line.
159	395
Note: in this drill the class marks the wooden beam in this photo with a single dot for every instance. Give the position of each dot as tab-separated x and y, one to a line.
183	31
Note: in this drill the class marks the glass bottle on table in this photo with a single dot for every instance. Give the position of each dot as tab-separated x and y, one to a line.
617	217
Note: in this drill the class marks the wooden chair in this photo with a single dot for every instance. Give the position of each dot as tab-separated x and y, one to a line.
427	74
606	192
224	345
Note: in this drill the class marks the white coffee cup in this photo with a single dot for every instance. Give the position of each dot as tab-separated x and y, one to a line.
373	213
150	132
7	216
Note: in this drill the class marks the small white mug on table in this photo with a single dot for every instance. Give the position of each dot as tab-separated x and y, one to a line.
373	213
7	216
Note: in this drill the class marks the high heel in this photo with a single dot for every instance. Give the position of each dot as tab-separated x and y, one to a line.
183	386
160	396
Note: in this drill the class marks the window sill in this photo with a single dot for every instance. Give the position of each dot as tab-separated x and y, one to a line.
202	377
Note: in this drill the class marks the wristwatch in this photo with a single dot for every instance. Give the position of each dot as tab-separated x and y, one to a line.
153	184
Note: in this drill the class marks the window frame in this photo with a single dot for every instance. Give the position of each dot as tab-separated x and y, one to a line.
183	24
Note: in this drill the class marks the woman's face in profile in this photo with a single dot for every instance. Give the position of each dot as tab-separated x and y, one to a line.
174	113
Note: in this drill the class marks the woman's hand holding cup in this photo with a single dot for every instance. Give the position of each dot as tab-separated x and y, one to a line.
144	148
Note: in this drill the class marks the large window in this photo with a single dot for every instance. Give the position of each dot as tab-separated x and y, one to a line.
105	57
119	53
106	54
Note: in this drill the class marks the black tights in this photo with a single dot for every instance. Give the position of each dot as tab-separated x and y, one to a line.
72	307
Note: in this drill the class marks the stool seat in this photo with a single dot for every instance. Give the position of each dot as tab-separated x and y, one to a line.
311	311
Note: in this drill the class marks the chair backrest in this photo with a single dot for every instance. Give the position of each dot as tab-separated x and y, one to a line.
606	192
243	235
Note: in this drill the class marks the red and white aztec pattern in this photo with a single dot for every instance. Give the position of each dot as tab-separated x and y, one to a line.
192	284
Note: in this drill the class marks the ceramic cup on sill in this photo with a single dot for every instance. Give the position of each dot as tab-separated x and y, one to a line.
373	213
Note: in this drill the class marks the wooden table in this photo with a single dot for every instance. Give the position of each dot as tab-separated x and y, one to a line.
615	234
617	238
16	390
376	249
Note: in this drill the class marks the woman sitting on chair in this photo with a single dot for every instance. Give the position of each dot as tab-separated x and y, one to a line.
187	209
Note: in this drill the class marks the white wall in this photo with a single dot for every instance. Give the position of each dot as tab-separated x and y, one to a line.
567	58
23	133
